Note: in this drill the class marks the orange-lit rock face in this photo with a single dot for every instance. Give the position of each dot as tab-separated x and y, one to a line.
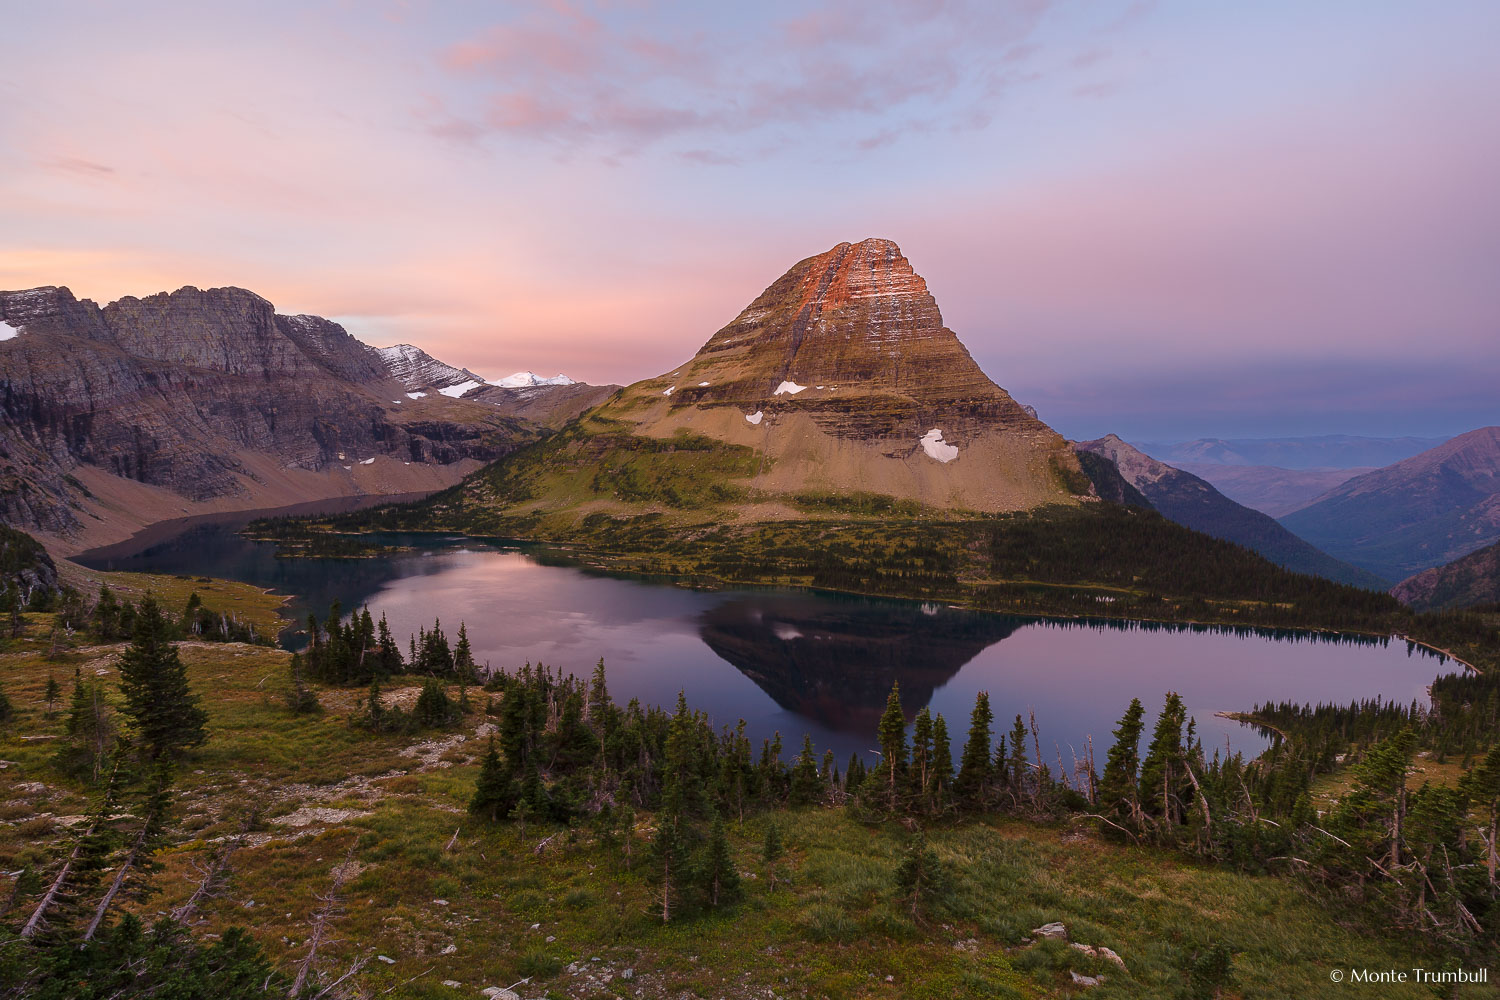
858	328
843	376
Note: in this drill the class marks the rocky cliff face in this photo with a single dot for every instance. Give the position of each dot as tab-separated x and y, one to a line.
207	395
1194	503
842	376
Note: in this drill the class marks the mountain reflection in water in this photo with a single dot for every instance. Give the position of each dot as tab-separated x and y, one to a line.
835	663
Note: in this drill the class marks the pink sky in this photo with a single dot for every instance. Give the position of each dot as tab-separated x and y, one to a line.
1115	204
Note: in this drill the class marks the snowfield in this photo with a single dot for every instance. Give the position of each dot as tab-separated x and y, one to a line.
521	380
932	442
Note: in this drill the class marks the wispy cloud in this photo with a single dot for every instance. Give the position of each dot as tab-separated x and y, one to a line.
78	165
581	78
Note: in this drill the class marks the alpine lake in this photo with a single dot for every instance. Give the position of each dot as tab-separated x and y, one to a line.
797	662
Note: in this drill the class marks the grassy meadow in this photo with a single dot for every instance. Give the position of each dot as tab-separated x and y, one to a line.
452	900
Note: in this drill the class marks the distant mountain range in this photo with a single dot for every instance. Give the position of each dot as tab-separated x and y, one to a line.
1328	451
1269	489
1421	512
198	400
1194	503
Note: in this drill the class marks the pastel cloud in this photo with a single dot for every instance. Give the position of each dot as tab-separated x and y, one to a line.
561	74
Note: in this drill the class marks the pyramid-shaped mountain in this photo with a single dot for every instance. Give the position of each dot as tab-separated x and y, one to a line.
842	378
839	385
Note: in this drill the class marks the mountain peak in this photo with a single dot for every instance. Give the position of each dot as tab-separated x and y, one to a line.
844	378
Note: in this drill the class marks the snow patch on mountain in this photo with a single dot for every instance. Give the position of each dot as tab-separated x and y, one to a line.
788	388
456	391
521	380
8	332
933	444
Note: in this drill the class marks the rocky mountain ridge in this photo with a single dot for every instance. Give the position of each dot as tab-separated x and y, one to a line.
1424	511
1194	503
194	400
1463	583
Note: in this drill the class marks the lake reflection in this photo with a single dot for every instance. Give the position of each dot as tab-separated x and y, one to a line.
821	664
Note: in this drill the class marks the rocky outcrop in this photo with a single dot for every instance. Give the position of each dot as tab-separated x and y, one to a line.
1194	503
1422	512
207	394
25	566
1463	583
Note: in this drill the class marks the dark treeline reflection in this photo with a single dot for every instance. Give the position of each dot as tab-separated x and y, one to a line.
1239	631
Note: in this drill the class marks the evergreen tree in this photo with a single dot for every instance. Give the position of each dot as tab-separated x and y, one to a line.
720	878
154	682
770	852
853	774
107	615
494	793
807	786
575	743
375	713
920	776
388	659
463	655
892	733
190	611
942	759
434	708
300	698
1117	789
1018	776
1162	771
88	733
53	692
1482	785
682	788
1383	772
971	787
668	856
437	658
921	877
599	701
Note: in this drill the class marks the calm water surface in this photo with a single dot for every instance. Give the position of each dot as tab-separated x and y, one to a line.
798	662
